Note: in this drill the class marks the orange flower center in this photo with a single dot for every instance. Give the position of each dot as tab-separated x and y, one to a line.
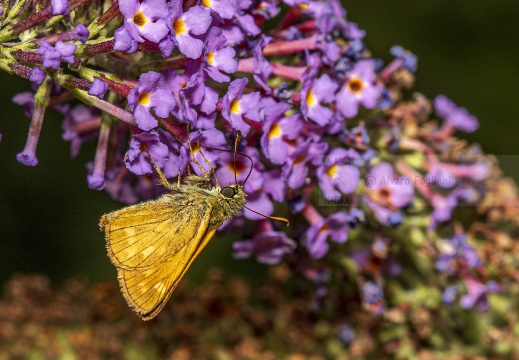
275	131
310	98
139	19
179	26
144	99
239	166
210	58
355	85
235	107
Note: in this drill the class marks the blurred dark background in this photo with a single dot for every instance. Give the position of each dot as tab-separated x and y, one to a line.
468	51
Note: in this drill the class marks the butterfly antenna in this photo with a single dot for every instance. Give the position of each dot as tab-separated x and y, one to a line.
283	220
251	167
236	142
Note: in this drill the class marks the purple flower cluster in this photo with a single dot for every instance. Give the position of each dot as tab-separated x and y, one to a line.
326	125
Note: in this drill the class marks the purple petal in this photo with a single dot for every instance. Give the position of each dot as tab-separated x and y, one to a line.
197	19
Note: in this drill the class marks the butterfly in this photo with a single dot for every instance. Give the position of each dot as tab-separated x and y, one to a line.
153	244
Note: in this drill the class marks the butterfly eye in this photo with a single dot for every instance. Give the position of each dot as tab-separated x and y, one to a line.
228	192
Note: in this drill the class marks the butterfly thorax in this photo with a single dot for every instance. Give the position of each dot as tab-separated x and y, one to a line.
224	202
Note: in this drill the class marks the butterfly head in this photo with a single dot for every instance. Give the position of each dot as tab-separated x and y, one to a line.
235	197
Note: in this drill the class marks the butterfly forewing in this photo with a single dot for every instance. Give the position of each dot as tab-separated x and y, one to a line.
147	234
148	290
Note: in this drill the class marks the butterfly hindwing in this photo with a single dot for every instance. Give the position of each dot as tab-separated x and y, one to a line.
147	234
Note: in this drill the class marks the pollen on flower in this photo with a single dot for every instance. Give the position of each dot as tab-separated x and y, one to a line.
206	3
179	26
139	19
332	171
355	85
183	84
210	58
144	99
235	107
310	98
275	131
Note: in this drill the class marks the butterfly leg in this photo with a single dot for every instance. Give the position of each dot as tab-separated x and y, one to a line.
206	175
163	180
210	166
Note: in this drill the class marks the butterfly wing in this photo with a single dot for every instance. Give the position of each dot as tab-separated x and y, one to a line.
149	233
148	290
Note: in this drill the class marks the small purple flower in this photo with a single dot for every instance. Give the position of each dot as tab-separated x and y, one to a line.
409	60
374	259
52	55
183	25
313	93
66	51
59	7
261	66
359	88
316	9
118	183
346	334
147	96
80	32
358	137
188	90
224	8
455	116
355	218
439	175
336	175
142	20
75	128
477	171
477	296
443	207
246	21
236	106
277	129
296	168
137	159
334	226
386	193
449	295
373	297
37	75
267	245
26	100
219	56
172	166
456	253
267	9
98	88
